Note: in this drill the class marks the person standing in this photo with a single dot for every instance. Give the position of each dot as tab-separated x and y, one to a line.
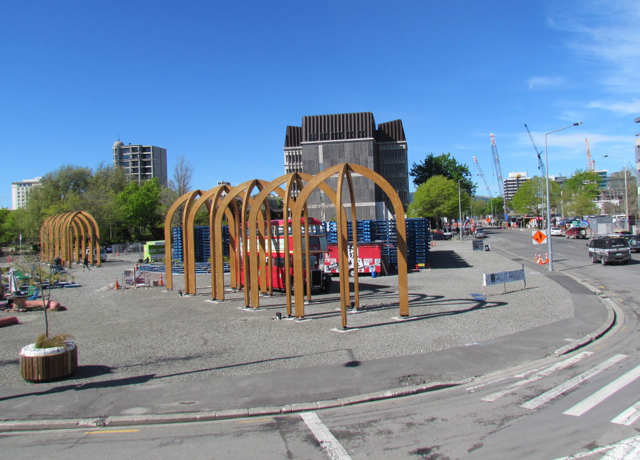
85	262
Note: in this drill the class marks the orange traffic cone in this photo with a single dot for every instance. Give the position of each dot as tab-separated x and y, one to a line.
161	283
546	258
116	285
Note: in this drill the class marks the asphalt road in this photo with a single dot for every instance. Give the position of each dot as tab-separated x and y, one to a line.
580	404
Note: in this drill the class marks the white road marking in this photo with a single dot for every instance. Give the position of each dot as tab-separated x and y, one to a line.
631	444
569	384
603	393
548	371
327	441
629	416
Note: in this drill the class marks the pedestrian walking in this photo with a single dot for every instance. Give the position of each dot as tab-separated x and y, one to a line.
85	262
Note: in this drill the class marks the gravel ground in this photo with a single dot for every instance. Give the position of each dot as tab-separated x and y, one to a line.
138	333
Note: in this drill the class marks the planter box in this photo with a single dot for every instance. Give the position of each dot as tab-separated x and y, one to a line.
43	364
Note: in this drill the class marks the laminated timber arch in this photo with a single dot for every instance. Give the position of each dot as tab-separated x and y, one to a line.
242	191
210	199
264	240
69	236
187	199
344	171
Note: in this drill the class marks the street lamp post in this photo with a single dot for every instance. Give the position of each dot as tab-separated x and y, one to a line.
460	210
546	160
626	190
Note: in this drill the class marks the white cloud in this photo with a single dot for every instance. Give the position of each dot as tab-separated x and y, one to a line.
606	31
621	108
536	82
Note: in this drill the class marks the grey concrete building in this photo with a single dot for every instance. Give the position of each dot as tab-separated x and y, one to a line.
327	140
141	162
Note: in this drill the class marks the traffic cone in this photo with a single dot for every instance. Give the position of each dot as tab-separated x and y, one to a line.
116	286
161	283
546	258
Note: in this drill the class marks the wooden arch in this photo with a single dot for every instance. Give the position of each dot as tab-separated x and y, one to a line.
69	236
186	199
344	171
242	191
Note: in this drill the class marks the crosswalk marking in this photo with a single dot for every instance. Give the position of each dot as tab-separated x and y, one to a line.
620	450
603	393
544	373
328	442
571	383
629	416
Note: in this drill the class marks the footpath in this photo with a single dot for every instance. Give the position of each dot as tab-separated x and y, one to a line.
454	335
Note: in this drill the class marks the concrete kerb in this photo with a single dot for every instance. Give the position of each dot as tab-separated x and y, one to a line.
613	313
189	417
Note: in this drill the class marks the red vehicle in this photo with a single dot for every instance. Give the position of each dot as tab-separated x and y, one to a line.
317	247
369	259
578	232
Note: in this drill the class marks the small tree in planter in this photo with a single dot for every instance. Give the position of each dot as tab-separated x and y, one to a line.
49	358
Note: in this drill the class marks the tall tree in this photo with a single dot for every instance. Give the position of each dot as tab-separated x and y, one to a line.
182	175
443	165
530	197
139	205
438	198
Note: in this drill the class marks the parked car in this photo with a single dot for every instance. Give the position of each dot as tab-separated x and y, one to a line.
607	249
109	249
437	235
556	231
480	233
577	232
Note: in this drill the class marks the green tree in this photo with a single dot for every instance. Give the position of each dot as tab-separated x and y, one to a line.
139	206
438	198
479	207
579	193
442	165
530	197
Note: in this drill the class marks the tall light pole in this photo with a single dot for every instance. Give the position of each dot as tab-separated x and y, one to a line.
460	210
626	190
546	160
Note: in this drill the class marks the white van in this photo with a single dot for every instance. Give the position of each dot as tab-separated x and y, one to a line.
103	254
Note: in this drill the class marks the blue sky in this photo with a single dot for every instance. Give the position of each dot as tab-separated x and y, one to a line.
220	81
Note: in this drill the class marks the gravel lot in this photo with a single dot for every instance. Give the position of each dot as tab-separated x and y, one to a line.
156	337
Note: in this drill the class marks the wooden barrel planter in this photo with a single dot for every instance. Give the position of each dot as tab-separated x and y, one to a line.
43	364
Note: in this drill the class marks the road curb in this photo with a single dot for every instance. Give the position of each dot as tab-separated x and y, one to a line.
603	329
157	419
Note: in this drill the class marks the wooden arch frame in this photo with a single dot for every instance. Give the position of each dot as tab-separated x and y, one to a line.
186	199
275	186
242	191
65	236
344	170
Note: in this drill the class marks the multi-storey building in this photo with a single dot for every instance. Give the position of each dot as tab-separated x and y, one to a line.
20	192
513	183
141	162
327	140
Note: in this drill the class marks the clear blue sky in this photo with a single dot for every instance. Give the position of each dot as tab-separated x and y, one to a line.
220	81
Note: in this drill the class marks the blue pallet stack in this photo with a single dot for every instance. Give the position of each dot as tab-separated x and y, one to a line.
202	244
384	231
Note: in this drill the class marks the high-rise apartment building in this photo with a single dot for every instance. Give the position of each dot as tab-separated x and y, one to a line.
327	140
513	183
141	162
20	192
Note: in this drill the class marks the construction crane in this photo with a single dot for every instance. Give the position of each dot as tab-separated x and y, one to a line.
591	163
496	162
475	160
543	171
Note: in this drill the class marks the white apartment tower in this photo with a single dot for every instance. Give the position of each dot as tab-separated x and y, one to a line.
20	192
